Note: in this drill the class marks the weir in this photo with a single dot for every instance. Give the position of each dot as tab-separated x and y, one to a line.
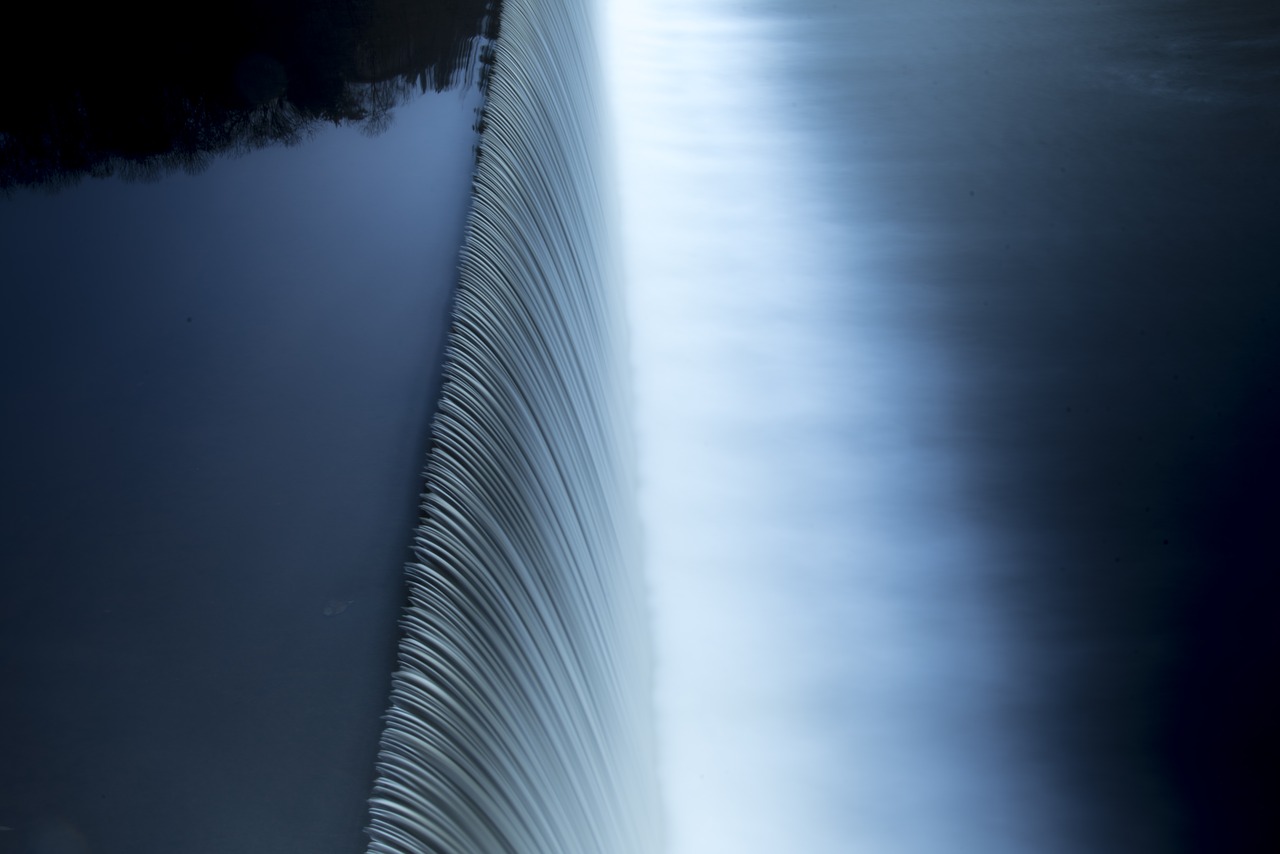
520	712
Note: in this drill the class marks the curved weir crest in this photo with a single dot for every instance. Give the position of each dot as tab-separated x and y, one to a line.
520	713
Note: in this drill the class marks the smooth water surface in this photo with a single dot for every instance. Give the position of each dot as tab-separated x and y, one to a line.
217	391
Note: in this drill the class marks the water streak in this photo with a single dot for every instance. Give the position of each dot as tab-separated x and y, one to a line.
520	713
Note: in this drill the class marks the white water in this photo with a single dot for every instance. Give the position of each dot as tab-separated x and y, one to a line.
520	718
832	676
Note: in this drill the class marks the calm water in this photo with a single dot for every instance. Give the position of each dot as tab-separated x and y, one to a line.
956	339
217	391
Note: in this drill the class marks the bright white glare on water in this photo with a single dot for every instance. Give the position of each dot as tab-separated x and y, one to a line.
831	676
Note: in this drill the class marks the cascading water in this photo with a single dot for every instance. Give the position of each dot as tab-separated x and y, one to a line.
520	711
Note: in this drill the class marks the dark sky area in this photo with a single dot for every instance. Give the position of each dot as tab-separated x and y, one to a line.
216	394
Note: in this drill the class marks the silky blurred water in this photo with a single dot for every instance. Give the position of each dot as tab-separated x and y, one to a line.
948	318
521	717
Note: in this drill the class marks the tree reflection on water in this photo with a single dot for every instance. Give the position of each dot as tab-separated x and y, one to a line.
124	92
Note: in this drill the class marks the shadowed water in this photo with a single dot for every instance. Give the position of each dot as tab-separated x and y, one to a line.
216	397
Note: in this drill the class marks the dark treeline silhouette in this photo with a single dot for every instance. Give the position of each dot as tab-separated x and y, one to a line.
105	89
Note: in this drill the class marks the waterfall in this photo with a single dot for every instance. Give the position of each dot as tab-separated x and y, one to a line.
519	716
